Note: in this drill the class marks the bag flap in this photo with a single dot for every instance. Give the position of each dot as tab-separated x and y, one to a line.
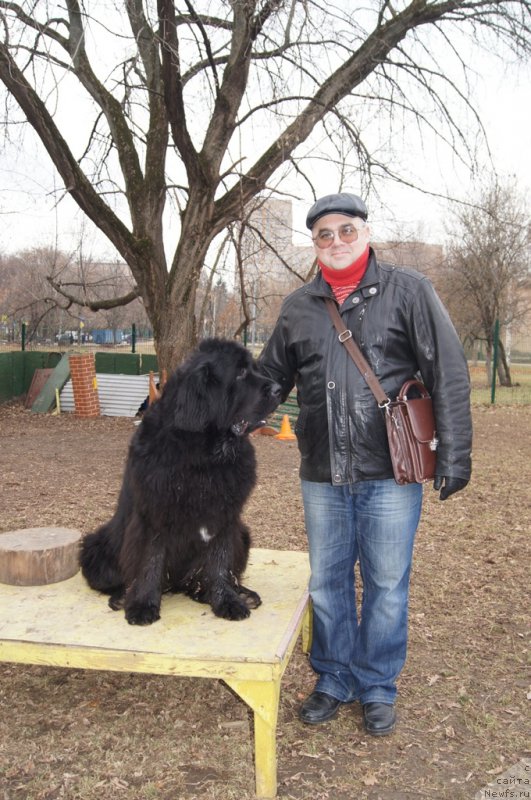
420	413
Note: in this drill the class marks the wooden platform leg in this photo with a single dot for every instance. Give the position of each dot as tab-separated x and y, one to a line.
263	697
307	623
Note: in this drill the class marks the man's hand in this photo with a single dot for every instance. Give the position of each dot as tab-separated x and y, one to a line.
448	485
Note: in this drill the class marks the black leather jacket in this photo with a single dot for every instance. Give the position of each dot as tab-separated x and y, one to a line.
402	328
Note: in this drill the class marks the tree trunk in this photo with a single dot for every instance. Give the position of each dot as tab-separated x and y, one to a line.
172	309
488	362
174	329
504	371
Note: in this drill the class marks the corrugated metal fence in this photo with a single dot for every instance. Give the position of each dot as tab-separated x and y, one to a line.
119	395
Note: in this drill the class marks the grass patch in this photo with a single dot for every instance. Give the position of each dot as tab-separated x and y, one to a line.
518	394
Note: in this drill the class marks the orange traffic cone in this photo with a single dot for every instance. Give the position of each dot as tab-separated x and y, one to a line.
285	430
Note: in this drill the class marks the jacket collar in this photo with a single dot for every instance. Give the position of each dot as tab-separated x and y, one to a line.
367	287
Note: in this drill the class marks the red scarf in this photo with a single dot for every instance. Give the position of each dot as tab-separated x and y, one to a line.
344	281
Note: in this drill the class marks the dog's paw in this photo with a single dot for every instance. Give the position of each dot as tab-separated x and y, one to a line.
250	598
116	600
142	614
231	608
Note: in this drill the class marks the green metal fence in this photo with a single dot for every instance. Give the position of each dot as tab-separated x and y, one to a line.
135	355
17	367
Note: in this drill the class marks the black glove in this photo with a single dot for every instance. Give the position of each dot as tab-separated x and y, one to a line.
451	485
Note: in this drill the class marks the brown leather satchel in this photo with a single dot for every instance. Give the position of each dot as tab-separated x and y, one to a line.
409	421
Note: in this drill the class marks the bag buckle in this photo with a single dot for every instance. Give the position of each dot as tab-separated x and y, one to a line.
345	335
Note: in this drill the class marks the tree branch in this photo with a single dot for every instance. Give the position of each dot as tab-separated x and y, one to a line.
173	90
231	91
94	305
206	42
374	50
110	106
74	178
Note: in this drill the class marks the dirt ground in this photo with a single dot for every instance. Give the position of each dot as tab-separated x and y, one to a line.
462	697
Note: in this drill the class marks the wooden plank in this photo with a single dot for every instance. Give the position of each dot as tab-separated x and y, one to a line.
40	376
264	699
71	624
46	399
111	660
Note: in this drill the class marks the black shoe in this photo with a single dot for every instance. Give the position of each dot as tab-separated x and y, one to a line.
379	718
319	707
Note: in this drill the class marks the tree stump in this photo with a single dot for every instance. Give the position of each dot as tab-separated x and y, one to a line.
37	556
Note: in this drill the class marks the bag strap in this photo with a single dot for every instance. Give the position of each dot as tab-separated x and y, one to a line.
346	338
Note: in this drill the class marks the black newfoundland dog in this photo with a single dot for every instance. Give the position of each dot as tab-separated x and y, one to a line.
189	471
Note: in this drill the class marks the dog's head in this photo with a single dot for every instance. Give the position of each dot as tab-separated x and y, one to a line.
220	388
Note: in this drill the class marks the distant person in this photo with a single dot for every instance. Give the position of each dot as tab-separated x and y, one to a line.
142	408
354	510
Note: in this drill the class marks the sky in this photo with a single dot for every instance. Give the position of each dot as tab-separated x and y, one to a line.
29	216
503	99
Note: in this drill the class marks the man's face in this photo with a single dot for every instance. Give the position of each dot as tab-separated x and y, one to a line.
340	253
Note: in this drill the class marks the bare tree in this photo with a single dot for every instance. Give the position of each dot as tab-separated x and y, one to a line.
488	266
209	290
181	113
268	264
42	287
26	295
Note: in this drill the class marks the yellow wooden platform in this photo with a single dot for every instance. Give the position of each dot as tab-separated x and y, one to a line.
68	625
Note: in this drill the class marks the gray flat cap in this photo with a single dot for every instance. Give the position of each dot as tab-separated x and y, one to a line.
343	203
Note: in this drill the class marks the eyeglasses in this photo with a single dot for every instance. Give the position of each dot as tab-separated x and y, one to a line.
325	238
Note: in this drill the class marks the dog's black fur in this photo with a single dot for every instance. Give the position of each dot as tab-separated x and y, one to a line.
189	471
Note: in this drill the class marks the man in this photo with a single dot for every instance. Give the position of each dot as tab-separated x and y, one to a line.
354	510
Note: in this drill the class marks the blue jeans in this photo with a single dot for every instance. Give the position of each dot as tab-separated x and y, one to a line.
373	522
